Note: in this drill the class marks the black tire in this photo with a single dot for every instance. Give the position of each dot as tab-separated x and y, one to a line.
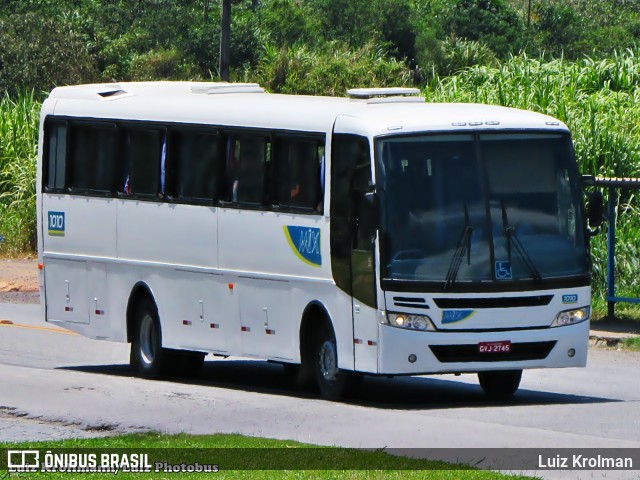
332	382
500	385
148	359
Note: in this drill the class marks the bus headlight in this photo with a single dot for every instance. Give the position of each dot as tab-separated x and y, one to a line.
410	322
571	317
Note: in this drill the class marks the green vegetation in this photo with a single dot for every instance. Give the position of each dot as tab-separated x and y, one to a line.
578	60
632	343
266	456
18	145
53	43
331	70
625	312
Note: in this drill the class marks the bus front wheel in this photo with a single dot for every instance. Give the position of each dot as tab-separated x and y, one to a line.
332	382
500	385
148	358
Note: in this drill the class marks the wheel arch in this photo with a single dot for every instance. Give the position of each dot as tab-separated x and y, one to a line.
140	290
314	317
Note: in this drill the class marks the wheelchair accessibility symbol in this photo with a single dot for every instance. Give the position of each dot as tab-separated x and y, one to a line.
503	270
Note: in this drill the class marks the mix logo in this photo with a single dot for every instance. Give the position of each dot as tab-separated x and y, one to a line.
573	298
455	316
56	224
305	243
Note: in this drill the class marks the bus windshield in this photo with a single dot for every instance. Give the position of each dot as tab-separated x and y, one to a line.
480	209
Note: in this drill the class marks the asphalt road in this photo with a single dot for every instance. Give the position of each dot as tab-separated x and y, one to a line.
55	384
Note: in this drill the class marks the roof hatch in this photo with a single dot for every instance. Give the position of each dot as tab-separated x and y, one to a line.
223	87
386	95
112	93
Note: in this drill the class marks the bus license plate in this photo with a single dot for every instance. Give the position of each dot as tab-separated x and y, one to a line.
494	347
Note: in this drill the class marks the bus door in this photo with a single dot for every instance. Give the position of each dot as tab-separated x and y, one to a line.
352	244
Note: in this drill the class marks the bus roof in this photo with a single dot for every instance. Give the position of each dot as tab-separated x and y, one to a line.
247	105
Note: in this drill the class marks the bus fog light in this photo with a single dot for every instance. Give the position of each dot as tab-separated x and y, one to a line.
571	353
412	358
410	322
571	317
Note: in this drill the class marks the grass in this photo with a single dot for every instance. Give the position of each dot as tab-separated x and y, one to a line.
632	344
258	458
628	312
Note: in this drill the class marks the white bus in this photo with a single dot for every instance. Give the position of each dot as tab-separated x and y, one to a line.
376	234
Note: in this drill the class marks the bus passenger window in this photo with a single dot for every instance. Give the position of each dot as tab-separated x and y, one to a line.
92	158
194	165
142	153
56	157
246	164
298	182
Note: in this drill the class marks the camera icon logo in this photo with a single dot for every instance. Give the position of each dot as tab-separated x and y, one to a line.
23	460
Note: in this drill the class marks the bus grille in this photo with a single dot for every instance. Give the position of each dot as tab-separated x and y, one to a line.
469	353
502	302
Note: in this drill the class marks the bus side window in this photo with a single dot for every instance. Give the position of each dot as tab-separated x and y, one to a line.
56	152
143	154
246	169
298	183
92	161
194	165
350	151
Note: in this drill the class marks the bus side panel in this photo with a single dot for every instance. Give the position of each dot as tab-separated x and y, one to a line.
266	329
73	228
98	298
269	244
196	310
82	226
66	290
167	233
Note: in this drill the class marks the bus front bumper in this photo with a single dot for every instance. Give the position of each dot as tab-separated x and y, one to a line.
411	352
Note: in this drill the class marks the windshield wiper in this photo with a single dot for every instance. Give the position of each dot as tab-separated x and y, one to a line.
512	238
463	246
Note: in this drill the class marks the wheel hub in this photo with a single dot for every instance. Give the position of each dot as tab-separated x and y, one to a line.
147	339
328	364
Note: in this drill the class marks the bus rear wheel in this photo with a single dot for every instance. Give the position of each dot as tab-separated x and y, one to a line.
500	385
148	359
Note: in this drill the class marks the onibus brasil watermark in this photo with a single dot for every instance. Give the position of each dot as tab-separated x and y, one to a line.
207	460
31	461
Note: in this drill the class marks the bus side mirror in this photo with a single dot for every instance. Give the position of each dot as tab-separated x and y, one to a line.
595	210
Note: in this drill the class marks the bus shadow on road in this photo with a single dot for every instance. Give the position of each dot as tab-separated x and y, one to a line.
402	392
